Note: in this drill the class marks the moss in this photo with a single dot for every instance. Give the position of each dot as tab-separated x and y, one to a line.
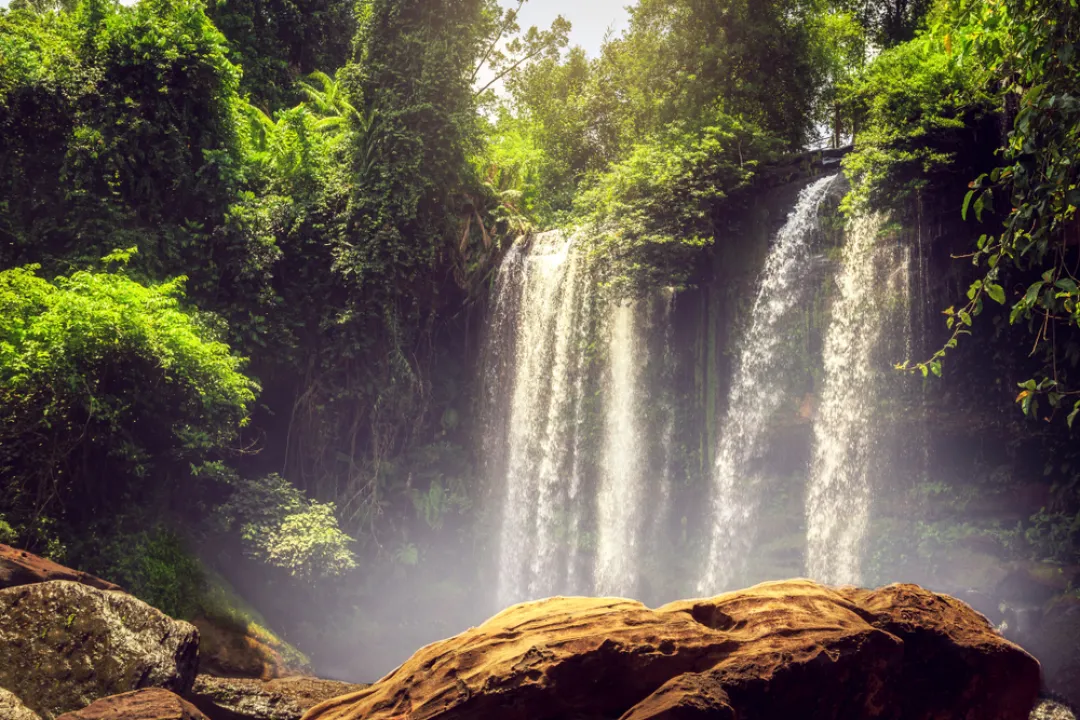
222	605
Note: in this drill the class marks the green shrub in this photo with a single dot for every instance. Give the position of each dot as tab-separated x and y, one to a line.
156	567
909	103
280	526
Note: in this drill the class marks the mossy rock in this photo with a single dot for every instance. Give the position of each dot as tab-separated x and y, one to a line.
236	639
64	645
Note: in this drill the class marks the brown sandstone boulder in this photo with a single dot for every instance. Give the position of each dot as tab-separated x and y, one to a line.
252	699
64	645
779	650
19	567
1052	710
149	704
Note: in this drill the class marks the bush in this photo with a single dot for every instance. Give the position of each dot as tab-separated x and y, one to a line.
281	527
655	210
910	103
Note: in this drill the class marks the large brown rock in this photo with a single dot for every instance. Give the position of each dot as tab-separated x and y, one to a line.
19	567
252	699
1052	710
779	650
149	704
64	645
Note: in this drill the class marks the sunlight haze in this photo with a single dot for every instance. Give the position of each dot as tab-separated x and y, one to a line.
591	18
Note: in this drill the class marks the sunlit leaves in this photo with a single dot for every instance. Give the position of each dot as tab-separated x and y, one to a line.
96	363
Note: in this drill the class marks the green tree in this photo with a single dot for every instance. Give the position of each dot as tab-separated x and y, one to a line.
279	41
110	391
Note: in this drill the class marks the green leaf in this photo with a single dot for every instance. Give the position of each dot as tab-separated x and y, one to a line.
985	201
1032	293
996	293
967	204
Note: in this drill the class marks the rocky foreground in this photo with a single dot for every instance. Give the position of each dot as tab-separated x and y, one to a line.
779	650
73	647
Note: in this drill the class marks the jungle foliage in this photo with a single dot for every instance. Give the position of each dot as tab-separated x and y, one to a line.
1008	67
245	245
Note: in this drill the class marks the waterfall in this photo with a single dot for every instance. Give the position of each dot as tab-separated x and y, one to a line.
550	289
665	407
851	426
623	460
758	389
573	473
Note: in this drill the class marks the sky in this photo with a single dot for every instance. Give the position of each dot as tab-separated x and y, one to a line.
590	18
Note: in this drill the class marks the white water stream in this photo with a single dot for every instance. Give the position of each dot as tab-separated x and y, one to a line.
850	429
758	389
556	518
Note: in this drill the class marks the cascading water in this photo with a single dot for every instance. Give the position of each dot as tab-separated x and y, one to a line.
874	292
757	391
622	478
581	415
549	289
564	497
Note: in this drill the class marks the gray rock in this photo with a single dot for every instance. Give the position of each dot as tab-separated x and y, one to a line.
252	699
64	645
1052	710
11	708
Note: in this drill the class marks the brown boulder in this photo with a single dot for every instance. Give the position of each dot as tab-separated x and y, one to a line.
252	699
64	645
149	704
19	567
778	650
1052	710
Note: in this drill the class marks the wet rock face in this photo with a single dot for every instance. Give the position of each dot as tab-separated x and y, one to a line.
251	699
64	645
786	649
150	704
18	567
